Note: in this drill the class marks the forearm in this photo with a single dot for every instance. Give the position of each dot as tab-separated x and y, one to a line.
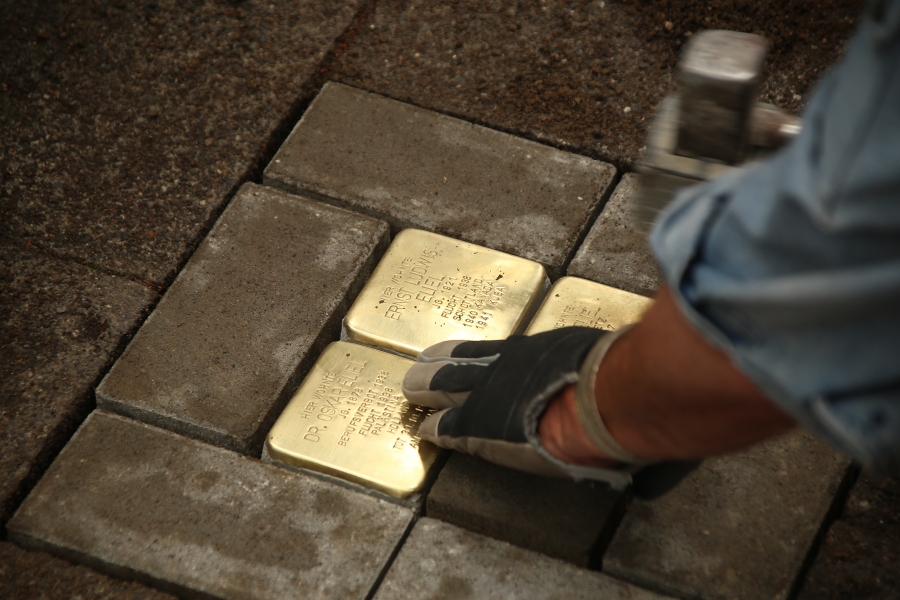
665	393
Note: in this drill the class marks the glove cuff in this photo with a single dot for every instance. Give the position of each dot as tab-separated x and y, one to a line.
586	403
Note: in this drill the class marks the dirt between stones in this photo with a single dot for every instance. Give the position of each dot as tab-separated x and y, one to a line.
565	72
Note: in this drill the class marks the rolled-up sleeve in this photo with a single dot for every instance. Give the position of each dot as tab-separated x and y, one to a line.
792	266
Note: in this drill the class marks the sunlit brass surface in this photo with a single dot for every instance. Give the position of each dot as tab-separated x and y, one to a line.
575	301
429	288
350	419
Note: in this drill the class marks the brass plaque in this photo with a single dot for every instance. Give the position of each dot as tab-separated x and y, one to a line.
429	288
575	301
350	419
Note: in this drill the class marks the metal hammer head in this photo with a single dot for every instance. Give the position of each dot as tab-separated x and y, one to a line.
713	124
720	75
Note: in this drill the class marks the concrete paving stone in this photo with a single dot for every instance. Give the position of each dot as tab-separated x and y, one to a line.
565	71
137	120
417	168
27	575
61	326
142	502
740	526
615	252
443	562
260	298
861	551
560	518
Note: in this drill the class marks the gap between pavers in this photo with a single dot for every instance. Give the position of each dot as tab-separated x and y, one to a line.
441	561
259	299
740	526
615	252
418	168
142	502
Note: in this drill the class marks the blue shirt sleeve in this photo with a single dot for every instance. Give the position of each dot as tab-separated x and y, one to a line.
792	266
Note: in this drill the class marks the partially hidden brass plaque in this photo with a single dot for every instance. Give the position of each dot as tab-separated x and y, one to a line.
429	288
575	301
349	419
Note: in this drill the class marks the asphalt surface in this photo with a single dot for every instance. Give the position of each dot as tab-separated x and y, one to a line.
127	125
565	72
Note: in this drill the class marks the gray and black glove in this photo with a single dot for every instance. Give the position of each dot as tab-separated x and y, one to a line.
493	394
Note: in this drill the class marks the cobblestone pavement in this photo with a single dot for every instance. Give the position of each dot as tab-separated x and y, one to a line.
151	198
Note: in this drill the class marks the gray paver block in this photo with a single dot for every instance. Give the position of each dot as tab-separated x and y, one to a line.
417	168
739	526
186	516
442	561
259	299
61	324
38	575
556	517
615	252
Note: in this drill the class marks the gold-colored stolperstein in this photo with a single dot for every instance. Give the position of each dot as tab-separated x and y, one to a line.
575	301
350	419
429	288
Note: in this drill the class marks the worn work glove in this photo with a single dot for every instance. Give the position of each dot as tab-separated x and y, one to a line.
493	394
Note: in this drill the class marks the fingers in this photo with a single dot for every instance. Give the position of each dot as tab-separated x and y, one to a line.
445	373
439	351
457	378
461	352
519	456
417	387
441	384
478	350
428	430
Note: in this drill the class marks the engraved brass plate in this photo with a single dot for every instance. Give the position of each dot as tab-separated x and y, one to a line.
429	288
575	301
350	419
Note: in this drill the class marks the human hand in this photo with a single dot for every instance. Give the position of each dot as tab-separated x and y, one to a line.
493	395
513	402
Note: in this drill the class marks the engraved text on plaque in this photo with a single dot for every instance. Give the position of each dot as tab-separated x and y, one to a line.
429	288
350	419
579	302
